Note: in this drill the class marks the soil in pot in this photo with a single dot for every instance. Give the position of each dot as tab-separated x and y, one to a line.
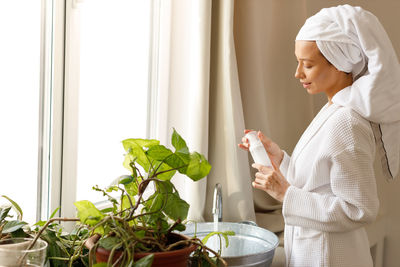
174	258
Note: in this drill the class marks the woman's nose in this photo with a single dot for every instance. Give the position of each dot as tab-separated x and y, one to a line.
298	73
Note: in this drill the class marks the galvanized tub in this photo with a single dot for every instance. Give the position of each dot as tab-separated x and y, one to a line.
250	246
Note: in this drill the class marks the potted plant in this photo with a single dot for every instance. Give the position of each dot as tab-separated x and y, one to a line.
141	226
63	246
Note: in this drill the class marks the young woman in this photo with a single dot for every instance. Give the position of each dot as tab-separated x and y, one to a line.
328	186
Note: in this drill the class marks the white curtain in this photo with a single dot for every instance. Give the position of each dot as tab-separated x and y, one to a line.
231	165
200	98
183	85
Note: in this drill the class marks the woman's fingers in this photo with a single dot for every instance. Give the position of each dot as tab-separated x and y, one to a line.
264	139
243	147
245	142
261	168
271	181
276	168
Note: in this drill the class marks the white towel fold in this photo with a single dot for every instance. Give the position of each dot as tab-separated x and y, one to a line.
353	40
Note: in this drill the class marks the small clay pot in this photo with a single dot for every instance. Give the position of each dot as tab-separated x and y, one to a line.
173	258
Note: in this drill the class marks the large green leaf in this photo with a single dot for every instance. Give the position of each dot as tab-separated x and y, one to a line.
140	155
164	172
12	226
176	208
176	162
19	233
157	202
159	152
181	149
127	162
179	143
127	143
88	213
136	148
165	187
198	167
110	242
145	261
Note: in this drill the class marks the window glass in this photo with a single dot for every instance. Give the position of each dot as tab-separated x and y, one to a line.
114	55
19	102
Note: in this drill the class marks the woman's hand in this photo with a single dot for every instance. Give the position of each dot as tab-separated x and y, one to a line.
271	181
274	152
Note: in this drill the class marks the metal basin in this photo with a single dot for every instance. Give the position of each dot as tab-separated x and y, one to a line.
250	246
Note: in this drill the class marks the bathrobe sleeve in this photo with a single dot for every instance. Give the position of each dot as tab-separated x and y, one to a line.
347	159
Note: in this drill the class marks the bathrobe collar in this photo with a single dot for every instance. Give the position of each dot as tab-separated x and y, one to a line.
313	128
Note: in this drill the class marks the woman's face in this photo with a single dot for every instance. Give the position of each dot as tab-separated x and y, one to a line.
315	72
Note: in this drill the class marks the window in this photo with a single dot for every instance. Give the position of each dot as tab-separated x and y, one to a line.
113	89
19	102
75	83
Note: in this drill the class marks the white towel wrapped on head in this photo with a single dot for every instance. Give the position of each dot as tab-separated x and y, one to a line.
353	40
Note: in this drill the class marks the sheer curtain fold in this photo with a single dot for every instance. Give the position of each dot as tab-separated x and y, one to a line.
198	78
183	85
231	165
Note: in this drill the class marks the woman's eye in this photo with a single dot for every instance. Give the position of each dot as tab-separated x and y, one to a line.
308	67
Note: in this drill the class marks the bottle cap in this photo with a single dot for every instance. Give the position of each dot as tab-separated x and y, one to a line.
253	139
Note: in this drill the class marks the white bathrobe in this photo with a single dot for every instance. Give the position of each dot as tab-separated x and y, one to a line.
333	191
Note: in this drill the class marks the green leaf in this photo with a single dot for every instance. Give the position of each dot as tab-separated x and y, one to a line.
159	152
179	143
106	210
224	234
12	226
54	213
176	208
127	143
157	202
110	242
135	148
40	223
131	189
19	233
176	162
145	261
4	212
88	213
110	189
165	172
198	167
165	187
15	206
125	179
101	264
179	227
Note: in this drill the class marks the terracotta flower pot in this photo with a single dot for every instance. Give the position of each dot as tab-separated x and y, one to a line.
174	258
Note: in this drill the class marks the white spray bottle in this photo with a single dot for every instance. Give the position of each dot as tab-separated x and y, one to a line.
257	149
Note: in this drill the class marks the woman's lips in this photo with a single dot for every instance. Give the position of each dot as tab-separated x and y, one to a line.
306	85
